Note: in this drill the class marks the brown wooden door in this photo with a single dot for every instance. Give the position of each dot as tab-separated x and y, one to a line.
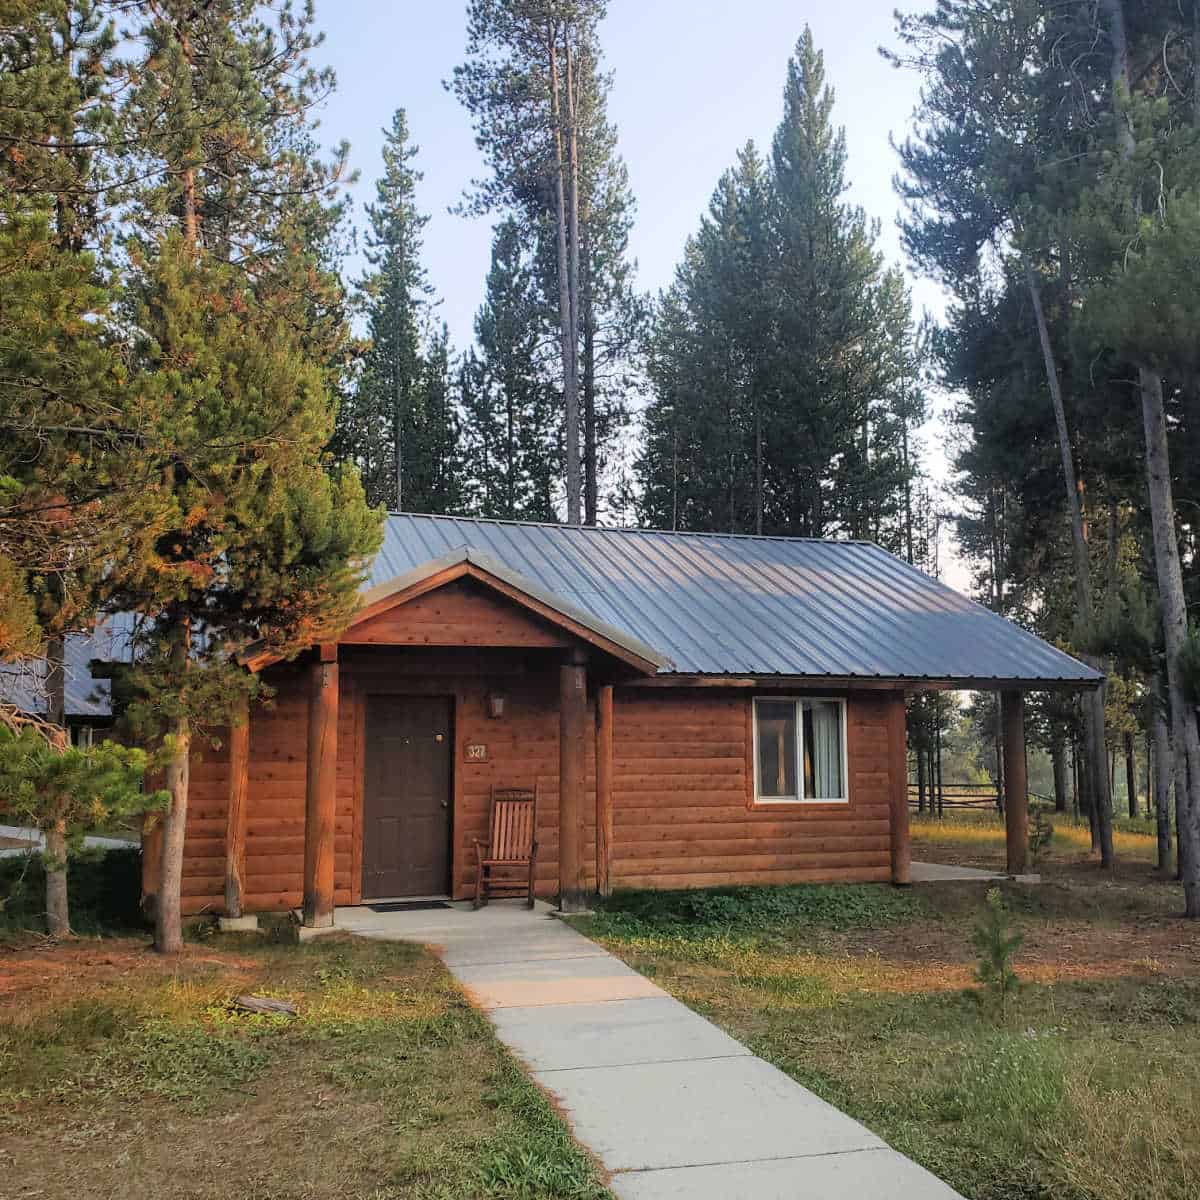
406	797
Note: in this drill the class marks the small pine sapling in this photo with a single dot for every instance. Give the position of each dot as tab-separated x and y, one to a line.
1041	833
997	939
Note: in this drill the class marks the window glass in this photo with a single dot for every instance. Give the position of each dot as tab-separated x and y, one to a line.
823	750
776	730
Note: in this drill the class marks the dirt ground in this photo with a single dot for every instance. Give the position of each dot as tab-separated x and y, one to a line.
938	956
52	971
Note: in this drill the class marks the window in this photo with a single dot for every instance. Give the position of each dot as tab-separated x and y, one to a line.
800	751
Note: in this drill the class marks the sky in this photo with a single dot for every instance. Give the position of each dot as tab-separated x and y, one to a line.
693	81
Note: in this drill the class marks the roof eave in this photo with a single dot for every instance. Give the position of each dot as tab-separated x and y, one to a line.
954	683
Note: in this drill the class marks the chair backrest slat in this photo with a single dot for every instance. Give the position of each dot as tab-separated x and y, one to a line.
512	825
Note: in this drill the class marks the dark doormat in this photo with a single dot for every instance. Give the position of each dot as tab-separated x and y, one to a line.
407	905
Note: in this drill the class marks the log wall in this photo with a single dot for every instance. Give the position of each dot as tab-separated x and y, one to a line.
683	806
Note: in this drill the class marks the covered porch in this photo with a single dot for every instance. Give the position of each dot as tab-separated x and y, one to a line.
453	681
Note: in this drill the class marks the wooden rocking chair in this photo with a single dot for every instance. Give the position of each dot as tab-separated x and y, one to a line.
506	862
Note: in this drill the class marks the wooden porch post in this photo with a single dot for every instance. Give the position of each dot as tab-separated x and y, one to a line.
152	828
235	813
572	719
320	804
1016	787
604	789
898	765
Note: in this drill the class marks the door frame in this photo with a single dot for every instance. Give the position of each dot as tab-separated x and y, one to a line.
406	691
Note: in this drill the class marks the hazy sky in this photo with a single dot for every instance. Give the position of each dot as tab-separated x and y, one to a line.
693	80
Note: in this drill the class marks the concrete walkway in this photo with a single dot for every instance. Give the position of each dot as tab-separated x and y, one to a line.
673	1107
923	872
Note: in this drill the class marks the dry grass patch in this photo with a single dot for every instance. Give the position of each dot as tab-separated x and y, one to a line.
978	839
387	1085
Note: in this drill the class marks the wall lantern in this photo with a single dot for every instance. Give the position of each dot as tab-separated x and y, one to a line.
495	705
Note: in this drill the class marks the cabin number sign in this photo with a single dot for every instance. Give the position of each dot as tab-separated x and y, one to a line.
476	752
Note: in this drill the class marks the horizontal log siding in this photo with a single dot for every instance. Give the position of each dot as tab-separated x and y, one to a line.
462	613
683	813
522	750
203	887
274	806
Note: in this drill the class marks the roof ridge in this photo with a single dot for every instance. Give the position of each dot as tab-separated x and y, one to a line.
691	533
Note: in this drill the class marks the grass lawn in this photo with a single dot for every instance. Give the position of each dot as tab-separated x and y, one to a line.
976	839
1087	1087
122	1074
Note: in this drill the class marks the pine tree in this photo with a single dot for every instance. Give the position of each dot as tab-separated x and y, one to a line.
829	332
980	204
396	427
537	95
782	358
510	409
74	449
439	472
237	334
611	314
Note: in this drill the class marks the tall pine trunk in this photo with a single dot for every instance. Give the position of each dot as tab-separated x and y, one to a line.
591	439
58	913
1172	601
1092	703
398	447
1058	760
1130	777
758	464
1161	772
1173	604
921	784
168	915
568	330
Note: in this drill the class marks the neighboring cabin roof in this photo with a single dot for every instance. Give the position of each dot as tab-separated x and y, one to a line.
724	604
24	685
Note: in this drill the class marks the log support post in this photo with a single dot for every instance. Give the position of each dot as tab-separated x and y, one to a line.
152	829
235	818
320	802
1016	786
898	774
572	717
604	789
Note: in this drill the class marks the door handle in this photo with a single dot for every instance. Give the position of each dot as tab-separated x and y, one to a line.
445	804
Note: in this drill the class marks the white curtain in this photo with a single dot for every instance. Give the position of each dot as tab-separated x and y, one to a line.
826	750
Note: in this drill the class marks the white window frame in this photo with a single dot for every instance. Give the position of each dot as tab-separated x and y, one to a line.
797	701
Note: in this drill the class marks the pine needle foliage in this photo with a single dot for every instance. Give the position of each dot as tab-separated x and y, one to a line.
997	939
782	358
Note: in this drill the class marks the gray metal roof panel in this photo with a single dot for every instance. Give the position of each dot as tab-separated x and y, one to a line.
717	604
709	604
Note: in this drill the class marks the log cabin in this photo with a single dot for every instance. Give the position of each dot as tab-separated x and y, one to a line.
694	710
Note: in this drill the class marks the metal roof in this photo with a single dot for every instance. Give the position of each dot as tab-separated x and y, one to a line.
725	604
697	603
24	684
